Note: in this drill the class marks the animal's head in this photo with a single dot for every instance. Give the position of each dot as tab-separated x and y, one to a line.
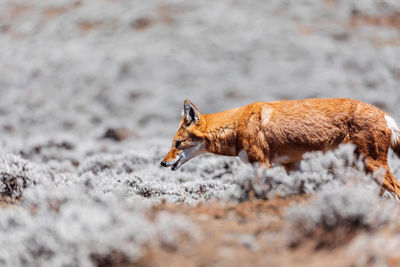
189	139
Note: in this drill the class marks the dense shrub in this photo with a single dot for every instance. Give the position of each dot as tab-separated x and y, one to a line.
69	226
317	171
16	174
338	214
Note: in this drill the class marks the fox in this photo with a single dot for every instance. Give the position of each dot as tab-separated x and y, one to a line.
280	132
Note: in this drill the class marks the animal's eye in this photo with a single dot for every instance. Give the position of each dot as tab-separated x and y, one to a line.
177	143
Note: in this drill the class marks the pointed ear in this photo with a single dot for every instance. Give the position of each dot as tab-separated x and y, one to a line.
190	113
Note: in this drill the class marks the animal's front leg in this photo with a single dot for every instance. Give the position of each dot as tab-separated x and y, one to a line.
261	169
258	184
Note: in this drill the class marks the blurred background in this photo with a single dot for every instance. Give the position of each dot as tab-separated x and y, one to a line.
91	93
72	67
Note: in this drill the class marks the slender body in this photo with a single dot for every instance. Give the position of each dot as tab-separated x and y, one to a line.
282	131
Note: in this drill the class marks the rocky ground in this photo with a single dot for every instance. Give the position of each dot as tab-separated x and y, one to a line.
91	94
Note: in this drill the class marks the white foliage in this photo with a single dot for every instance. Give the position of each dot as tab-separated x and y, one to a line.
70	226
345	209
16	174
316	171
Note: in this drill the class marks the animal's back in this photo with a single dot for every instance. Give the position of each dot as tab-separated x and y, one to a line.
317	124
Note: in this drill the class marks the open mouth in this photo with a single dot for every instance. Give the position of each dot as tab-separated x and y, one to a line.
176	165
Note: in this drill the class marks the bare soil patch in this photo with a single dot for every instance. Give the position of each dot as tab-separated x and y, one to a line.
244	234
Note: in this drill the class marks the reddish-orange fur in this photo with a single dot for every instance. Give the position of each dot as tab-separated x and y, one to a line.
282	131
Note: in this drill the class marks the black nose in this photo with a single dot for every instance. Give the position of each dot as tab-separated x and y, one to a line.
163	163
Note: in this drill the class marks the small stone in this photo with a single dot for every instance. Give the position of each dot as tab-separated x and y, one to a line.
117	134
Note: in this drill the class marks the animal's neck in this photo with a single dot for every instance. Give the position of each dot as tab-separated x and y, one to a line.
221	133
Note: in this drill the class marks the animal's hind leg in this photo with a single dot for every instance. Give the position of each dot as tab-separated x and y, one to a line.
389	183
373	145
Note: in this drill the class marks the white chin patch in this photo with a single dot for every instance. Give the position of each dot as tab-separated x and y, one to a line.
175	167
186	155
176	164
